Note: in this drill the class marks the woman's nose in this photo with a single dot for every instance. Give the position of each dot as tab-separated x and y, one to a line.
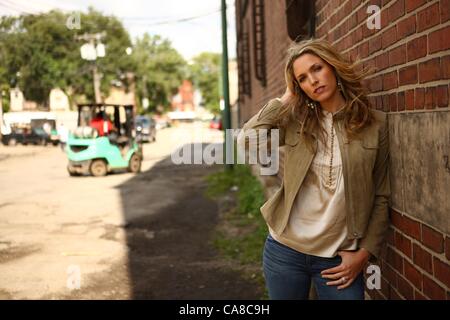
312	80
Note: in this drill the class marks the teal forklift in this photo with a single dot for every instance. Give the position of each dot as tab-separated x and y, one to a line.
98	151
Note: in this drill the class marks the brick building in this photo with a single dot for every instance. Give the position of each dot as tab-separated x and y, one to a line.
411	56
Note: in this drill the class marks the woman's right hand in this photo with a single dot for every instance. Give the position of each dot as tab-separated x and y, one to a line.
286	96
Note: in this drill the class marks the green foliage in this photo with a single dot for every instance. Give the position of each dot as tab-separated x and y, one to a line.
38	52
247	245
160	69
205	73
241	235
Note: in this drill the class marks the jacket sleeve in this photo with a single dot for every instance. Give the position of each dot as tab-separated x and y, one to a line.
257	133
379	219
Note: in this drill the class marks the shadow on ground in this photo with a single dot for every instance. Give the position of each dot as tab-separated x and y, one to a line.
171	255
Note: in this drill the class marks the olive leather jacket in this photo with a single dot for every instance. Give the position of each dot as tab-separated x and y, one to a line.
365	171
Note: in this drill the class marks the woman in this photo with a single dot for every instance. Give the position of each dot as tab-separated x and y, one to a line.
330	215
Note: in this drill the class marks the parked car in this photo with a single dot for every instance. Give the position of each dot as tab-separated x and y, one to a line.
216	123
145	129
26	136
161	122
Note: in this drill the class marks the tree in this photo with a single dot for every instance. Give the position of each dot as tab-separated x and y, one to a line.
159	69
38	53
205	73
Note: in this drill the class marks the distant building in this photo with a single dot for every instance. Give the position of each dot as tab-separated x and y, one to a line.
184	99
59	100
17	100
184	104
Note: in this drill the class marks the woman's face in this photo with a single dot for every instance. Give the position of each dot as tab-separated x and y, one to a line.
315	77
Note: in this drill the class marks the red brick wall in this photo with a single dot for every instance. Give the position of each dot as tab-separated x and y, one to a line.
277	41
411	58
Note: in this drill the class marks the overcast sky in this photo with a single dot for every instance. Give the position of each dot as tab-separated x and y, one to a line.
154	17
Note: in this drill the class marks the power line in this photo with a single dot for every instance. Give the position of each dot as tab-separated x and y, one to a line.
16	7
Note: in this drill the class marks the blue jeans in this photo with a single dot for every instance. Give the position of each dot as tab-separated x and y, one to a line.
289	273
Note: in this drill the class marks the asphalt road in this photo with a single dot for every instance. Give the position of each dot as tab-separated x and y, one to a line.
123	236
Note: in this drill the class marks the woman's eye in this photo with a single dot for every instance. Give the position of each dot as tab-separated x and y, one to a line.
318	68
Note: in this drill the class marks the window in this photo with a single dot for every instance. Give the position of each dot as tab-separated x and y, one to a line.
259	43
300	17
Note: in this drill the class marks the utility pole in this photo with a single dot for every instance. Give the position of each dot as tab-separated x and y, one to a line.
96	77
229	147
91	50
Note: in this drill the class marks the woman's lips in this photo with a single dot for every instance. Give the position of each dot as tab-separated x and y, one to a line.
319	90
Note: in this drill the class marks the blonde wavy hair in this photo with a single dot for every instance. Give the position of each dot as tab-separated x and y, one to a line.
357	110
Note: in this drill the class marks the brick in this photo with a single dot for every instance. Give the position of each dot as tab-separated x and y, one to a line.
419	296
430	98
356	3
397	55
413	275
376	84
385	287
393	102
396	10
374	44
422	258
395	295
401	101
390	275
411	228
382	61
439	40
428	17
385	105
390	80
364	49
414	4
358	34
442	96
395	260
429	70
405	289
384	18
432	289
419	98
407	75
441	271
361	14
379	102
409	99
417	48
431	238
402	243
445	63
445	10
406	27
447	248
389	37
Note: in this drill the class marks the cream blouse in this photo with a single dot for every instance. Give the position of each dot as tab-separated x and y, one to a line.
317	223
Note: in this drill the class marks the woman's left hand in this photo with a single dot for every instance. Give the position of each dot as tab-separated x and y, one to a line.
344	274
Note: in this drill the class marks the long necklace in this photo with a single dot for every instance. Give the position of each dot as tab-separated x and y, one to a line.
332	153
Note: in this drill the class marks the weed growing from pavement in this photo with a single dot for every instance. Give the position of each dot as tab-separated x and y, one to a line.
242	232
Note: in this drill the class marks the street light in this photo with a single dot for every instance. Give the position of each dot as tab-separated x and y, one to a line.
90	51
